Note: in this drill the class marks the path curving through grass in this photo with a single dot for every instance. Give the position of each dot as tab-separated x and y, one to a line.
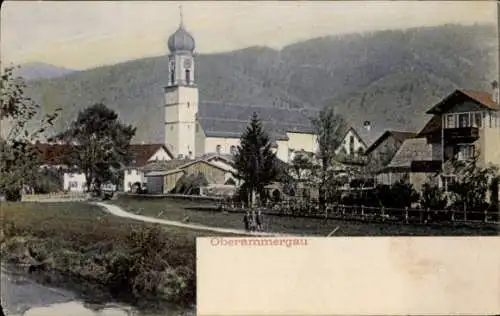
118	211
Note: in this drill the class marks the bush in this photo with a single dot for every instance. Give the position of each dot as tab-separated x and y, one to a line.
433	197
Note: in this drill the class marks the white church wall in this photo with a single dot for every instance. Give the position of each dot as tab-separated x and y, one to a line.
212	143
199	140
302	141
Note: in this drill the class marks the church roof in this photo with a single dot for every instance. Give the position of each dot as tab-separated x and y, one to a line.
181	40
230	120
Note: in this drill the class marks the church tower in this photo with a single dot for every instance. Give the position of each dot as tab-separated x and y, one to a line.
181	94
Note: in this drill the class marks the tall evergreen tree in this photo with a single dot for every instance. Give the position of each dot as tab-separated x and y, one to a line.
255	161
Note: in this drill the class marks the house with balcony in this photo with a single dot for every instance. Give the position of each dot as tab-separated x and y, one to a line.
465	124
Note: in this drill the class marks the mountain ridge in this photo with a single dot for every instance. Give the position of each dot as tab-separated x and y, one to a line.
387	77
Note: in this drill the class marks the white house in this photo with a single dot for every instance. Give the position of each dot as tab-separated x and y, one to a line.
142	154
52	157
352	143
195	127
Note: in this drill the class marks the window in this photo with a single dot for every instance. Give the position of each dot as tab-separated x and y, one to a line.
172	76
450	121
233	150
463	120
465	152
351	145
218	149
129	171
190	153
188	76
188	105
478	121
73	184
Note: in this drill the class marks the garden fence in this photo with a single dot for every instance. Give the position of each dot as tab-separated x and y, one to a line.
367	213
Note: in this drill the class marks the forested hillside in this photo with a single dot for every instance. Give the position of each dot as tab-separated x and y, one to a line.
387	77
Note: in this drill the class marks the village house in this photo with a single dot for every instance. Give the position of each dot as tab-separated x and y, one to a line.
142	154
380	153
53	158
465	125
163	176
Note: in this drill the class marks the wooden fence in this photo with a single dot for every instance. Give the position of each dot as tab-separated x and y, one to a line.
376	214
57	196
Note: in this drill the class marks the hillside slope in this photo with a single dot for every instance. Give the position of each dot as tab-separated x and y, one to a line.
387	77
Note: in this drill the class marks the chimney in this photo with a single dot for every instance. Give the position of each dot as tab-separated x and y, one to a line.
367	125
495	92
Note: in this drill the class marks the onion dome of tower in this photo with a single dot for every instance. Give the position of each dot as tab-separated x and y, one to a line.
181	40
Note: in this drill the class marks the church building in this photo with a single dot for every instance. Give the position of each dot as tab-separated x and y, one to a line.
196	127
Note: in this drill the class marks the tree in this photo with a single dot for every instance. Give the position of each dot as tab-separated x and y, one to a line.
19	162
329	128
433	197
99	144
255	162
301	166
470	187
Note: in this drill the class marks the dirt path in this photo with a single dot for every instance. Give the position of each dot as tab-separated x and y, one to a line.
118	211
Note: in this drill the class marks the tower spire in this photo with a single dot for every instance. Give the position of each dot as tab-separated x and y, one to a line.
182	20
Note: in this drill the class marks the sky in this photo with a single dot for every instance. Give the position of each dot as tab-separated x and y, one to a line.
81	34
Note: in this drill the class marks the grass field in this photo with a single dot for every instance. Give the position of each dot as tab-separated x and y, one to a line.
130	259
176	210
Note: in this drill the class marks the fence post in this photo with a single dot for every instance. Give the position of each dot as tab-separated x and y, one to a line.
343	211
428	215
465	213
362	212
406	214
486	216
383	214
453	215
421	215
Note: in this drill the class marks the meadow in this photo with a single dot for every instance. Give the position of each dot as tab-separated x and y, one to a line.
196	213
136	262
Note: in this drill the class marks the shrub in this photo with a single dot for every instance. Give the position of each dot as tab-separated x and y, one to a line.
433	197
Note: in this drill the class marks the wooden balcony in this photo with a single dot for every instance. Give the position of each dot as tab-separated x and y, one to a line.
461	135
428	166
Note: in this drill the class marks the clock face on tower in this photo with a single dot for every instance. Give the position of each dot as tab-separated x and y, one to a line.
187	63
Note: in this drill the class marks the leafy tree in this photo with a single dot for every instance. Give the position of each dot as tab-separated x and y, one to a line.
19	162
255	161
99	144
470	187
301	166
433	197
329	128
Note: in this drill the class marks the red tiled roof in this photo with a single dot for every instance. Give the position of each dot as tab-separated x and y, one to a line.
52	154
55	154
141	153
483	98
